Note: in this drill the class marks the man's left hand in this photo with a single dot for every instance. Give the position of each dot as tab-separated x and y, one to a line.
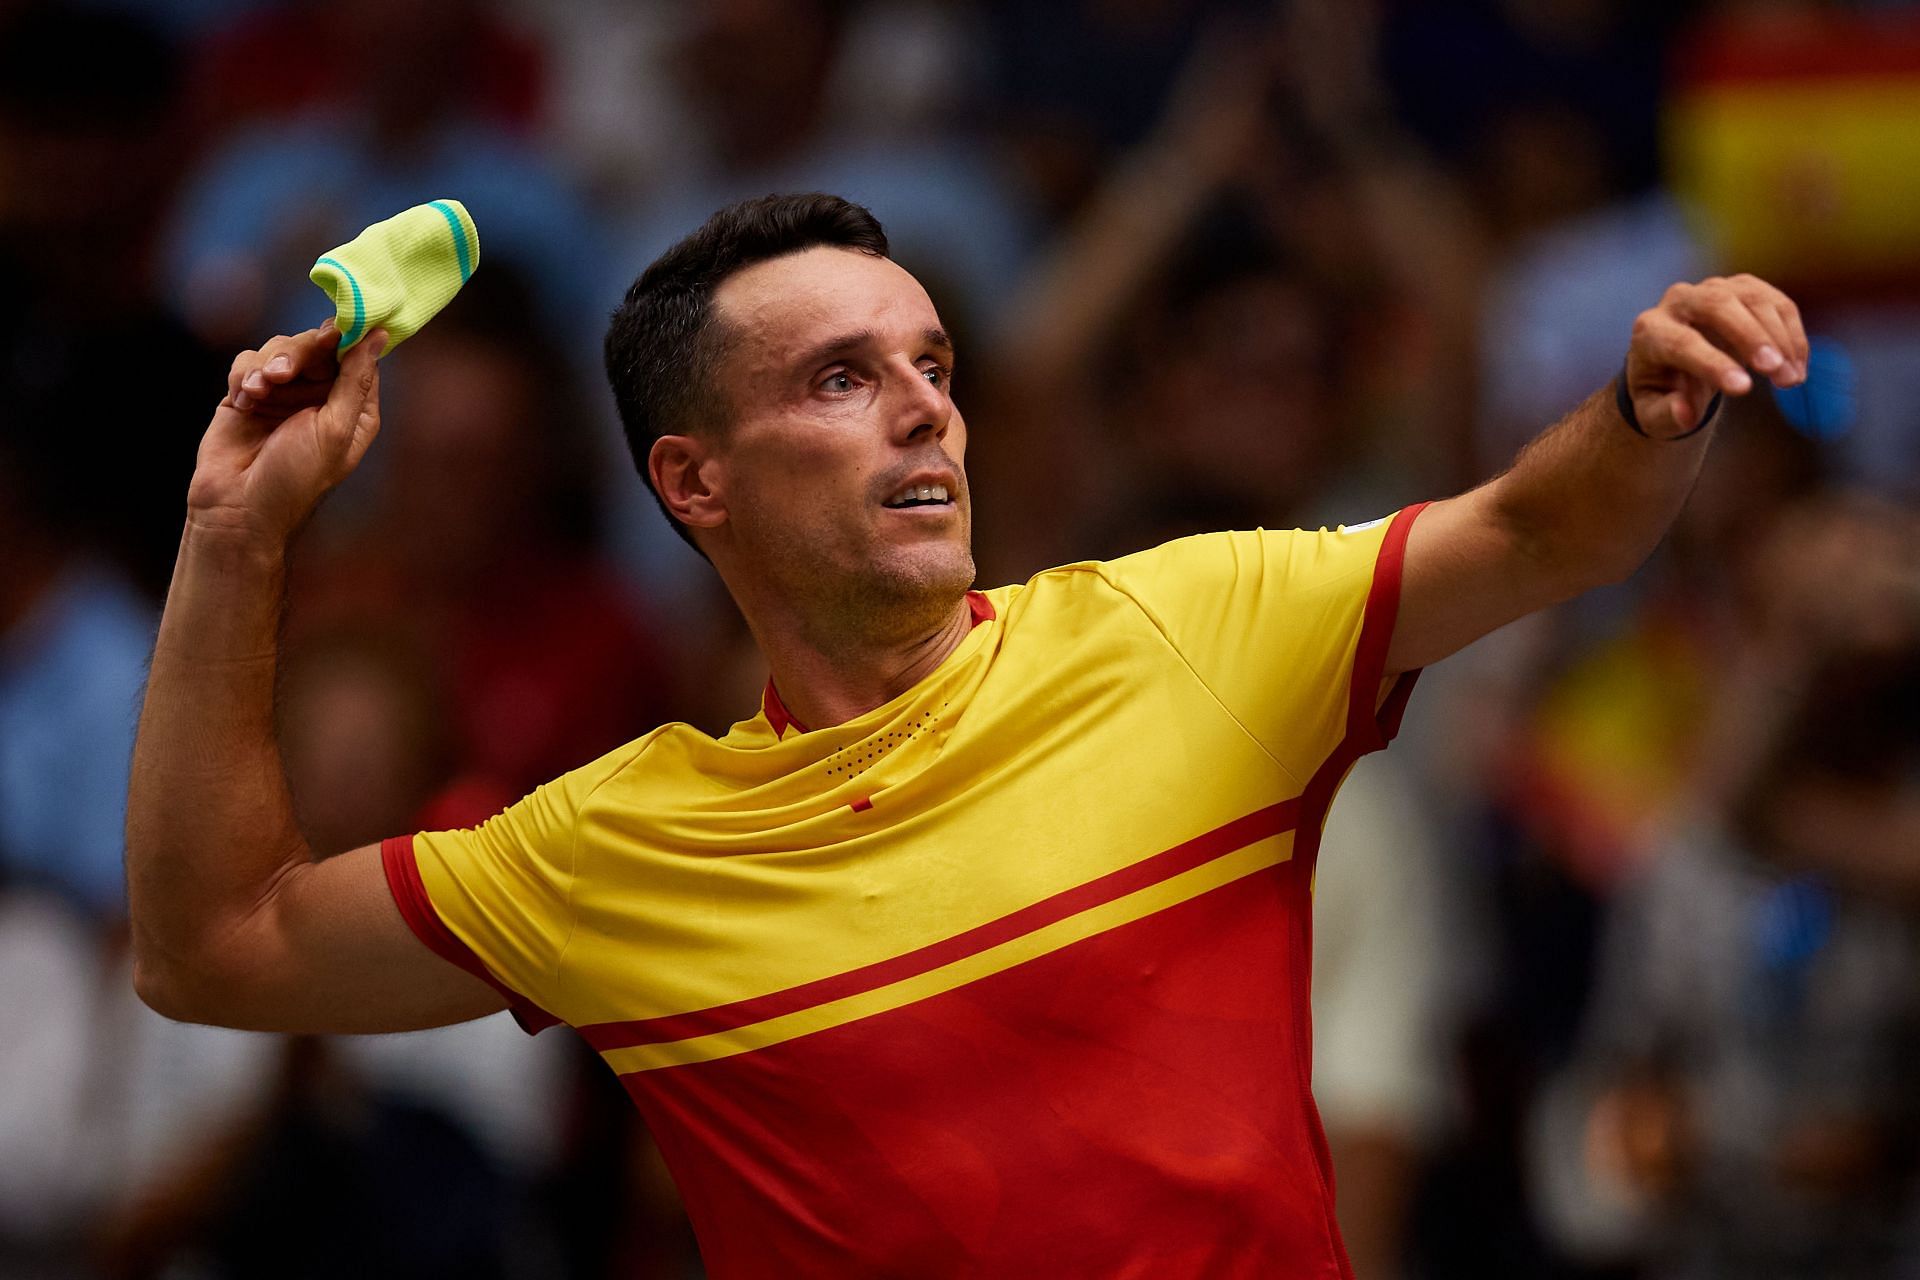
1694	343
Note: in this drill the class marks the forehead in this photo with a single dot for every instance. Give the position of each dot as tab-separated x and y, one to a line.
786	306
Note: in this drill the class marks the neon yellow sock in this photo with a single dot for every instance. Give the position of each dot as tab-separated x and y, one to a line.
397	274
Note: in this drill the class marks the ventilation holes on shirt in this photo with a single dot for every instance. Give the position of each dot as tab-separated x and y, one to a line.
875	749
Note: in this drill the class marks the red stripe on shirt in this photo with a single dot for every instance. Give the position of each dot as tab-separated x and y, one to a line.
1129	1105
1371	723
1217	843
1368	729
416	908
822	1155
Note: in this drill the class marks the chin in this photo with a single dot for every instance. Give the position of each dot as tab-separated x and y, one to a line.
925	579
871	585
944	571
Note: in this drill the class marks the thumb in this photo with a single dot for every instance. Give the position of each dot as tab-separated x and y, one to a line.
1688	405
356	380
352	410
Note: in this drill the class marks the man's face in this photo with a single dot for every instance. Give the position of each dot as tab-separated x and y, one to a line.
840	420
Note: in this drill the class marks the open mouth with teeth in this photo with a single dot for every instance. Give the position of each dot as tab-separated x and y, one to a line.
926	495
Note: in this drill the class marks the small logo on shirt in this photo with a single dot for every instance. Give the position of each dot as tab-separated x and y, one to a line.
1362	528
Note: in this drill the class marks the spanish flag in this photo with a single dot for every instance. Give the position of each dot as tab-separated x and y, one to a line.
1795	140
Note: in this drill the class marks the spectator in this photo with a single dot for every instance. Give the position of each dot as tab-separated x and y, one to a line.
757	78
1238	295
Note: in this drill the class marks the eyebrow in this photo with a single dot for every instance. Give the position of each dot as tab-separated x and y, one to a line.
821	353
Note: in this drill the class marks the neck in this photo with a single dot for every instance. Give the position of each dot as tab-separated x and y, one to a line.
825	684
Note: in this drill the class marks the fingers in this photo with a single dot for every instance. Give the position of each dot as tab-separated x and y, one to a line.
290	372
1723	318
1788	316
352	407
1688	406
1668	343
1703	337
1775	312
1748	318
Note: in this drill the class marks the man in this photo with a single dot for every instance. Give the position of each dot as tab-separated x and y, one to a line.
982	948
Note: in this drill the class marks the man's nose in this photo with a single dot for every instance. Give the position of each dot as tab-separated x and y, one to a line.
924	410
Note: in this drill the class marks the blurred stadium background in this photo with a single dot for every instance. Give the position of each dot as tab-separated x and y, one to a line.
1618	948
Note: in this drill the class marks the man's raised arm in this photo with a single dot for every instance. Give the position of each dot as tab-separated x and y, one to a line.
233	921
1590	498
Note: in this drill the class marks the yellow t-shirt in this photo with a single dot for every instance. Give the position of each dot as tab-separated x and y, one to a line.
1006	977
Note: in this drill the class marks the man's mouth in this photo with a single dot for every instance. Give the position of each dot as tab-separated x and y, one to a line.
922	495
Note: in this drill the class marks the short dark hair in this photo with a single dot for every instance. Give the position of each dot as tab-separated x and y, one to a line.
664	344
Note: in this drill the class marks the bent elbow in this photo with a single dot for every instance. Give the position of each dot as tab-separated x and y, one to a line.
175	990
161	990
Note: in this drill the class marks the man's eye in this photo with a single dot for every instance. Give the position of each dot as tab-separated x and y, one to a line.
837	382
938	374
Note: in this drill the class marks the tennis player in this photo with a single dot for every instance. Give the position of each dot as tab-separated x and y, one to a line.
982	948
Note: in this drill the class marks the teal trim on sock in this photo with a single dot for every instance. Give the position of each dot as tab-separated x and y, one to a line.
352	335
459	238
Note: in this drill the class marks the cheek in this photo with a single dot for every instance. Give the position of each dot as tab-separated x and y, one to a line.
801	485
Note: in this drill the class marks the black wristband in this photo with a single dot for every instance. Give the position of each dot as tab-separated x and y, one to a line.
1625	402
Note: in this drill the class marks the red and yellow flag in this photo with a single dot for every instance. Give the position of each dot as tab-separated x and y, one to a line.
1796	141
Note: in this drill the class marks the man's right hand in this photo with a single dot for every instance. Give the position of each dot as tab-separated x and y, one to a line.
295	422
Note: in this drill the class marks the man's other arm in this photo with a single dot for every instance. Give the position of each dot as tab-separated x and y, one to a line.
1588	500
233	920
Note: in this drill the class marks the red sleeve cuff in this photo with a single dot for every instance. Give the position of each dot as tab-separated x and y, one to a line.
1372	722
416	908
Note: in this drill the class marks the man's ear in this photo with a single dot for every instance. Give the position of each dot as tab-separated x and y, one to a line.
683	475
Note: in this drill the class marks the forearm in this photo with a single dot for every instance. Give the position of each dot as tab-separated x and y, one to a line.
210	825
233	921
1100	264
1134	222
1588	500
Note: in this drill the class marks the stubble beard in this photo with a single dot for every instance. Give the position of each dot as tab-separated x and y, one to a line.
869	601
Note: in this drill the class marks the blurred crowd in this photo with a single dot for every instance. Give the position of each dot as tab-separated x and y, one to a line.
1618	950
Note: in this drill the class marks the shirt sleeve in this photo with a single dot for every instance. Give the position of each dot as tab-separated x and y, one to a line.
1287	629
497	899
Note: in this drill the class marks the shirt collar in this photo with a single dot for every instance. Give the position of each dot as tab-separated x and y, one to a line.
781	719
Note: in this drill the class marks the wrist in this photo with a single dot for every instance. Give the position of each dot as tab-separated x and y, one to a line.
223	605
1623	401
225	537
